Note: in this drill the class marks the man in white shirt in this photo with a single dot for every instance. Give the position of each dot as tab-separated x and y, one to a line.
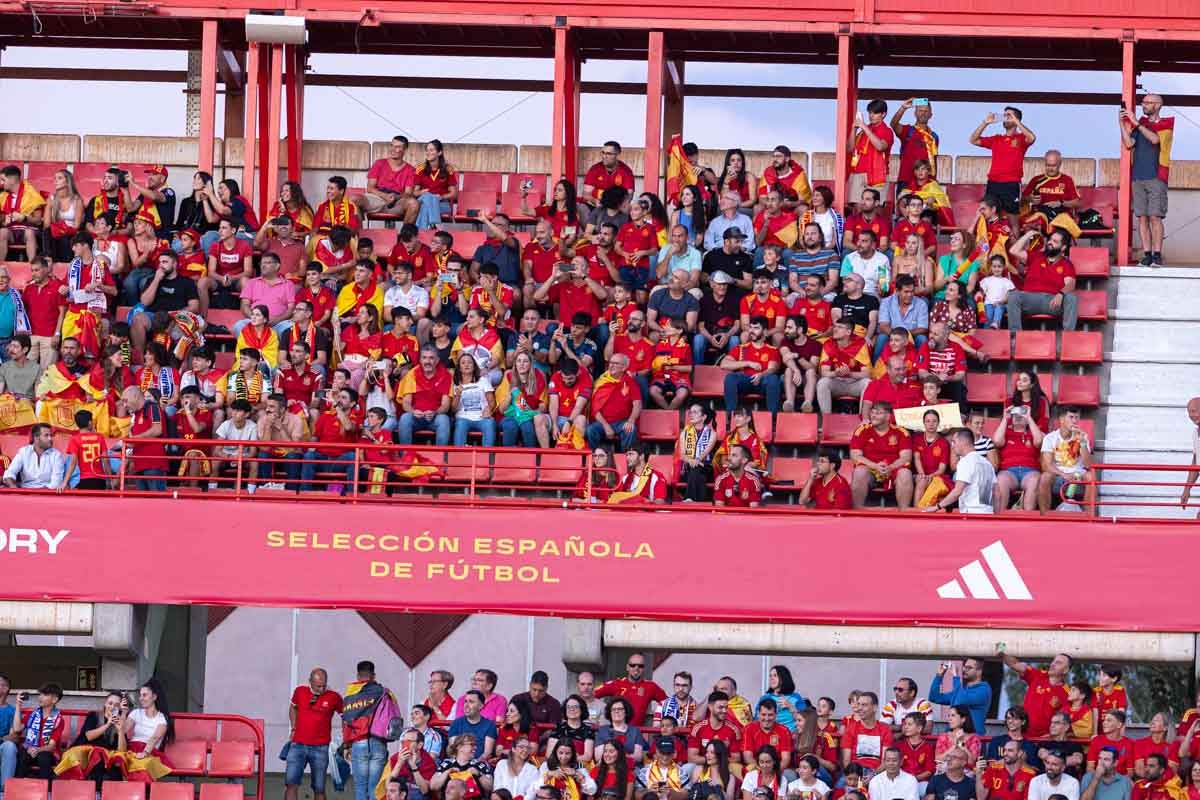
1193	410
402	292
906	702
892	783
867	262
37	465
974	479
1053	780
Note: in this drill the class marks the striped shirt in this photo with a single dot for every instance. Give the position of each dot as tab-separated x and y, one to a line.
804	263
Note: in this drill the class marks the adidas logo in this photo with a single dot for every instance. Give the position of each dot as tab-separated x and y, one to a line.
980	586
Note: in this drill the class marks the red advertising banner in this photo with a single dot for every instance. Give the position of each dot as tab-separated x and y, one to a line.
802	568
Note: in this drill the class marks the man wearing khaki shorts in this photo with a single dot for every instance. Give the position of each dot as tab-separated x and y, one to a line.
1149	137
389	182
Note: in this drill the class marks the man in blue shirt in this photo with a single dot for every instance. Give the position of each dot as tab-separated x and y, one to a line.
473	721
8	748
970	690
500	248
902	309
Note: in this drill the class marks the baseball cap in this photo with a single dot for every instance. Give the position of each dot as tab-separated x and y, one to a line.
734	233
156	169
665	744
720	276
192	232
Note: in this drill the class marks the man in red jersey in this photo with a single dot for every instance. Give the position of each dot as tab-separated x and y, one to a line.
869	217
827	489
296	378
641	483
336	425
815	309
844	366
1006	779
409	248
1045	692
1112	735
764	302
609	171
916	752
389	183
896	389
788	177
85	450
765	730
774	225
737	487
1019	442
1159	783
917	142
1008	157
572	291
717	726
870	142
913	223
637	242
1048	194
882	455
1049	281
753	368
635	688
866	737
947	360
616	405
539	258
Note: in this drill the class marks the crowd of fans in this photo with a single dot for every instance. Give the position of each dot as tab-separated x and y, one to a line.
563	341
630	737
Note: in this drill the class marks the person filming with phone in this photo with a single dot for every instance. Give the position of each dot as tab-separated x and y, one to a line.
967	688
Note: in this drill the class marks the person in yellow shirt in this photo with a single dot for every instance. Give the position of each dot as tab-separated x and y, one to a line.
21	210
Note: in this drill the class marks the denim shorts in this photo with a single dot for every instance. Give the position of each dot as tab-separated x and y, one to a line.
1020	473
316	757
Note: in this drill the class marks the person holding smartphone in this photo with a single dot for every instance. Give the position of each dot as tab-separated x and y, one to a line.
918	142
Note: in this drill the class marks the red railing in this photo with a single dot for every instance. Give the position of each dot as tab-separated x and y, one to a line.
1140	492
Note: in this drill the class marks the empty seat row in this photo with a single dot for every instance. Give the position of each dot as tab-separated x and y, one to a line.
1077	347
39	789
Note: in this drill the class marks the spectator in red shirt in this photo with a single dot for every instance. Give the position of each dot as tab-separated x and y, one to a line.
616	405
766	732
413	768
439	699
947	360
424	395
1019	440
435	187
311	715
1008	157
870	217
917	142
635	688
753	368
230	261
800	354
865	737
1049	281
1045	690
1112	736
827	489
737	487
870	142
610	171
46	306
882	455
337	425
572	291
389	185
895	388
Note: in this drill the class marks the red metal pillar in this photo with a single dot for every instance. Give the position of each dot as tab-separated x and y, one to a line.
562	71
274	101
264	139
655	73
673	101
1124	221
292	89
571	110
251	129
208	94
847	99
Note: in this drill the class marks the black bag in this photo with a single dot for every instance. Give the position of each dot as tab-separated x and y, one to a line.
1091	220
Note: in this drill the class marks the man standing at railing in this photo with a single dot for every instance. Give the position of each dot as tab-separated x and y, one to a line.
311	716
1193	410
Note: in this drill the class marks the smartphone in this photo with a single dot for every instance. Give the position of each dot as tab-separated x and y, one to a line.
1123	105
565	266
527	184
920	101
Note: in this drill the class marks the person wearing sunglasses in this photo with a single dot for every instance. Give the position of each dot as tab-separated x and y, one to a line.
634	687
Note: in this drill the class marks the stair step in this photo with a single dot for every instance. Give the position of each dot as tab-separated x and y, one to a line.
1159	337
1156	273
1144	427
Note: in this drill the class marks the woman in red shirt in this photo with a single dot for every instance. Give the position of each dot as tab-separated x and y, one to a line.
435	186
612	771
1027	391
932	457
604	478
360	342
736	178
562	212
1018	439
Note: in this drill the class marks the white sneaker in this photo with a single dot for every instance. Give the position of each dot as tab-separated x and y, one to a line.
274	486
213	485
252	488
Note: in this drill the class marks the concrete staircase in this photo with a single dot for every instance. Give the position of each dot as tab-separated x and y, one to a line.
1153	368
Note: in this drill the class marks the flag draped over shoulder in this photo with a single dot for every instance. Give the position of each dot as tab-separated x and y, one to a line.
680	172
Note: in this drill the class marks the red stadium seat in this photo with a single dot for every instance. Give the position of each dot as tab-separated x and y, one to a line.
658	425
986	388
1082	347
233	730
122	790
540	183
230	760
836	429
513	468
563	468
1045	379
41	175
764	425
162	790
996	343
796	429
18	273
459	468
10	443
510	204
1079	390
223	360
1090	262
188	757
483	182
469	204
1093	305
796	470
384	239
87	178
708	381
467	242
1089	427
221	791
26	789
1104	200
1035	346
965	192
74	790
224	316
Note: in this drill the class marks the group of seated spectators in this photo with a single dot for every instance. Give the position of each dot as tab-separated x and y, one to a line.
562	341
123	740
631	738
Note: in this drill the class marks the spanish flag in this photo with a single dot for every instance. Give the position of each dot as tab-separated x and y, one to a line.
680	172
571	439
14	413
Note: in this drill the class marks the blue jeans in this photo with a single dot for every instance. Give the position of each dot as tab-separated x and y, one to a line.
315	757
440	425
640	278
134	283
995	312
266	470
737	384
147	485
700	348
881	342
485	426
595	435
327	464
367	760
510	429
1021	473
430	209
8	762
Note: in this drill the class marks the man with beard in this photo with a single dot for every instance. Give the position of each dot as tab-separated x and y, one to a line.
1049	285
